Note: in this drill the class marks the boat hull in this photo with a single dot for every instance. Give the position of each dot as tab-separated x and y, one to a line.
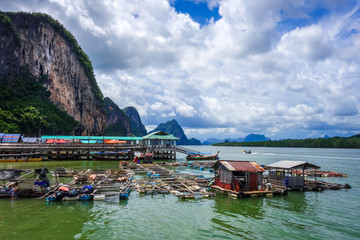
22	160
190	158
110	158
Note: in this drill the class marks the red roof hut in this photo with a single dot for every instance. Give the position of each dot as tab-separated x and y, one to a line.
238	175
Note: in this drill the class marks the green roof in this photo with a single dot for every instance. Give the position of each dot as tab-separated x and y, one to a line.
154	135
160	135
92	137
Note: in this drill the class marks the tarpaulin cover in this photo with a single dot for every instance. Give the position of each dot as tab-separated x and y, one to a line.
30	139
56	141
11	138
9	174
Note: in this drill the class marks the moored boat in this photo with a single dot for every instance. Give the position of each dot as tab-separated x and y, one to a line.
200	156
112	156
25	157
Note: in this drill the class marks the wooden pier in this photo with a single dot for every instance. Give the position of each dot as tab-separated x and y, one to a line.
68	151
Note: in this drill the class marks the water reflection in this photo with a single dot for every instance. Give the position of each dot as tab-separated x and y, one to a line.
238	217
294	202
250	207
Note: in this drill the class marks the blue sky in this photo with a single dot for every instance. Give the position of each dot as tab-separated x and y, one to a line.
285	69
199	11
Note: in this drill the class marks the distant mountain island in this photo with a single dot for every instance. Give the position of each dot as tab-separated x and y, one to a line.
173	127
325	142
249	138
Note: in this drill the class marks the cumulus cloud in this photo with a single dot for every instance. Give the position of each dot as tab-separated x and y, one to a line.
311	43
270	67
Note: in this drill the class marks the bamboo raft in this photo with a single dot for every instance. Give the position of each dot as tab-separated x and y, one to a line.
103	184
164	181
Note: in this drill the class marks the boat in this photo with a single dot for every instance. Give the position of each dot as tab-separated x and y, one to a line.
319	173
201	156
125	155
246	151
24	157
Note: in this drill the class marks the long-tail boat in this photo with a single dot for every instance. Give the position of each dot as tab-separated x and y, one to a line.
112	156
201	156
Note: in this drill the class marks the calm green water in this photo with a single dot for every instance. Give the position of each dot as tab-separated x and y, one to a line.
300	215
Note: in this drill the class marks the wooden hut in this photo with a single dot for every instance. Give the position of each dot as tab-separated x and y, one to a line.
289	174
238	175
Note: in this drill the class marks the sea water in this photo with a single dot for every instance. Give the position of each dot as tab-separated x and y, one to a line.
300	215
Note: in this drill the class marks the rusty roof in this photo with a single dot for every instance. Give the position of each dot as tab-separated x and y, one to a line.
244	166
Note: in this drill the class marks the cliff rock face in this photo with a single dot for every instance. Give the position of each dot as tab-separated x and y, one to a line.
52	60
137	128
118	123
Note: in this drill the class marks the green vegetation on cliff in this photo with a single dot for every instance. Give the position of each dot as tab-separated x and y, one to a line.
25	108
6	22
334	142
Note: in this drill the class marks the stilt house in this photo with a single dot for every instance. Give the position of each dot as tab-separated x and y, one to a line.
238	175
289	173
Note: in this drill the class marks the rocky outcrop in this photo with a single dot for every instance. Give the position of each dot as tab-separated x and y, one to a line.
137	128
51	56
255	138
173	127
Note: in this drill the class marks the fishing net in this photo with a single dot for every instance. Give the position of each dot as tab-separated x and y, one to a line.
9	174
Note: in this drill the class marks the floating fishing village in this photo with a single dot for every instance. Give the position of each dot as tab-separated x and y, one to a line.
146	165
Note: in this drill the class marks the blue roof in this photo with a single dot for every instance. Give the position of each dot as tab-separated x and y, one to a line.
11	138
1	136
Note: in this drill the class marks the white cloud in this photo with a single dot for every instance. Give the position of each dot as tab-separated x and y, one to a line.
311	43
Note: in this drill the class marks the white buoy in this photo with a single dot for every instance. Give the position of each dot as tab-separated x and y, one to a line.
99	197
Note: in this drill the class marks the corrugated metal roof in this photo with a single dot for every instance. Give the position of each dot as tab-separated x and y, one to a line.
244	166
10	138
1	135
286	164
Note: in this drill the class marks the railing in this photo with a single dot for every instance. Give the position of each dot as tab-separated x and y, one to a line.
185	150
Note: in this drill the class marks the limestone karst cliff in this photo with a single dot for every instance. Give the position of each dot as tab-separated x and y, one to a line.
118	123
39	48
